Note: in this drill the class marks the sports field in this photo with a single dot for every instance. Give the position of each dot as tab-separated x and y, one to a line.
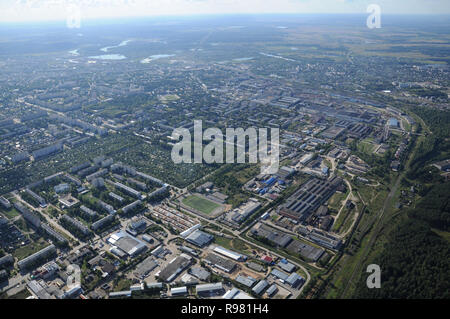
201	204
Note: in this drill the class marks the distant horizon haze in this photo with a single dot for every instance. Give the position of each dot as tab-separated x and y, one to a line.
58	10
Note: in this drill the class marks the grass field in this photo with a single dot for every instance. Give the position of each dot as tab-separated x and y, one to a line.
201	204
366	147
233	244
336	201
10	213
30	249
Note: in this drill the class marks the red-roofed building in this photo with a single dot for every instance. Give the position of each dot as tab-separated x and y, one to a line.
267	259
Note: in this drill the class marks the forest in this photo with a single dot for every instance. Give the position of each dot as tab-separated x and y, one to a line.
416	258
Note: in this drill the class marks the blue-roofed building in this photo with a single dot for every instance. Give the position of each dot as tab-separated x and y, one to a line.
246	281
393	122
260	287
279	274
295	280
270	181
272	290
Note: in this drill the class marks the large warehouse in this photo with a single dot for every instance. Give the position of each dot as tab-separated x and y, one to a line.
175	268
200	238
127	243
309	197
230	254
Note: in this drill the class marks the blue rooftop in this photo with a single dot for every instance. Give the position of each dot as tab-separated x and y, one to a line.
393	122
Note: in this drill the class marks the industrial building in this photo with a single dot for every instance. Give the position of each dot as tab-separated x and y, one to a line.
260	287
325	240
200	273
120	294
199	238
127	243
175	268
309	197
236	294
190	230
256	267
272	290
221	263
145	268
148	239
287	266
119	253
189	250
247	281
241	214
274	236
295	280
180	291
210	289
333	132
305	250
38	289
279	274
285	172
230	254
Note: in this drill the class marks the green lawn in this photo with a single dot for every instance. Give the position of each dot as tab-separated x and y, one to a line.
30	249
10	213
122	284
366	147
335	202
232	244
201	204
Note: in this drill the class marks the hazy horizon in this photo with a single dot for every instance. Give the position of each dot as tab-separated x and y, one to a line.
58	10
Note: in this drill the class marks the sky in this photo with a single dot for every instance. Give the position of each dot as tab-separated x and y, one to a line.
46	10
